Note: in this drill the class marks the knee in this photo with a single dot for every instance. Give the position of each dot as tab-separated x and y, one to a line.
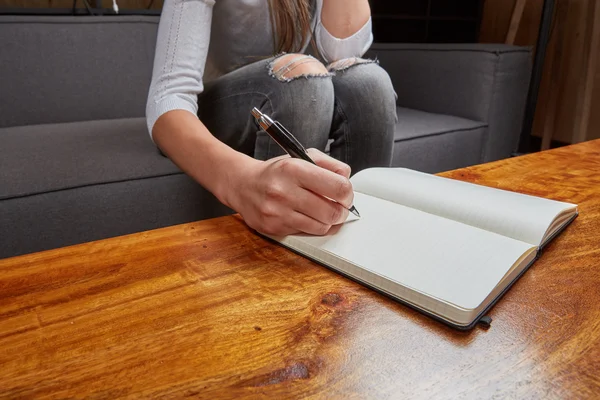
292	66
366	76
366	82
302	86
313	94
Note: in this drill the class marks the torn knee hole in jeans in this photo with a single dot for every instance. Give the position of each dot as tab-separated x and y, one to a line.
345	63
289	67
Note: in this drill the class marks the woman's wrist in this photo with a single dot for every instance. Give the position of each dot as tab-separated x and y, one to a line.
237	169
210	162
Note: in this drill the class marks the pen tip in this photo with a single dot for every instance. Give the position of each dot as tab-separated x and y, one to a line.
354	211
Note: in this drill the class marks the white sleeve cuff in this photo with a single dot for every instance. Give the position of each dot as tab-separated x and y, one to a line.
169	103
334	49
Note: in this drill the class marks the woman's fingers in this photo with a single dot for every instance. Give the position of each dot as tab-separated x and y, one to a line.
303	223
323	182
319	208
329	163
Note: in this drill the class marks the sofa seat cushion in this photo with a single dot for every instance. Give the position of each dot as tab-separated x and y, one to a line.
433	143
71	183
44	158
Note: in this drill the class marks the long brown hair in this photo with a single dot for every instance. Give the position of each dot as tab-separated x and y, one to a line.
291	24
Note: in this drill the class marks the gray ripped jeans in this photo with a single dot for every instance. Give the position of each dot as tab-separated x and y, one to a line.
351	102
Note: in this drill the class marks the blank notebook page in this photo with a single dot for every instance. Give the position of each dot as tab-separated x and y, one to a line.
445	259
515	215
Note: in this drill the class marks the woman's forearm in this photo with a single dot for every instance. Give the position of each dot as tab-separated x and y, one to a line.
190	145
343	18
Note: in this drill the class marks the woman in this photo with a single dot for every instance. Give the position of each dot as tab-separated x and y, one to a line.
215	61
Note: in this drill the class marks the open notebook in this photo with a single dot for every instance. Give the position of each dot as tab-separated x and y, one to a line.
447	248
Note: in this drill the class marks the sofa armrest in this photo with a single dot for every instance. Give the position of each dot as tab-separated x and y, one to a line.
481	82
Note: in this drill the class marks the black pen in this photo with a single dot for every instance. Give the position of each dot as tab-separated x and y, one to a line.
286	140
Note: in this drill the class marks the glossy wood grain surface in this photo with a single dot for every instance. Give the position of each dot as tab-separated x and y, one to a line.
210	310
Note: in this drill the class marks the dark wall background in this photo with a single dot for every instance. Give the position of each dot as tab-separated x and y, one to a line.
412	21
426	21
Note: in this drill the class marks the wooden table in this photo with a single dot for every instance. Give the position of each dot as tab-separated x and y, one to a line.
211	310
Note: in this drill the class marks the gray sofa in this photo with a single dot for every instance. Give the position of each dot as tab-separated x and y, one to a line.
76	162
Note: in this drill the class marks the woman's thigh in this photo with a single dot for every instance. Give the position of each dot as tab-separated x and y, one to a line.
293	89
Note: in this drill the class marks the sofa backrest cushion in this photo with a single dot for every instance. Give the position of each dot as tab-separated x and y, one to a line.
64	69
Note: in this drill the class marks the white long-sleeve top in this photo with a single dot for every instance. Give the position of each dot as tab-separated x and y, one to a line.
200	40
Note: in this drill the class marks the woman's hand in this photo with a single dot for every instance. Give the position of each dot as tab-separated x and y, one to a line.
284	196
277	197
